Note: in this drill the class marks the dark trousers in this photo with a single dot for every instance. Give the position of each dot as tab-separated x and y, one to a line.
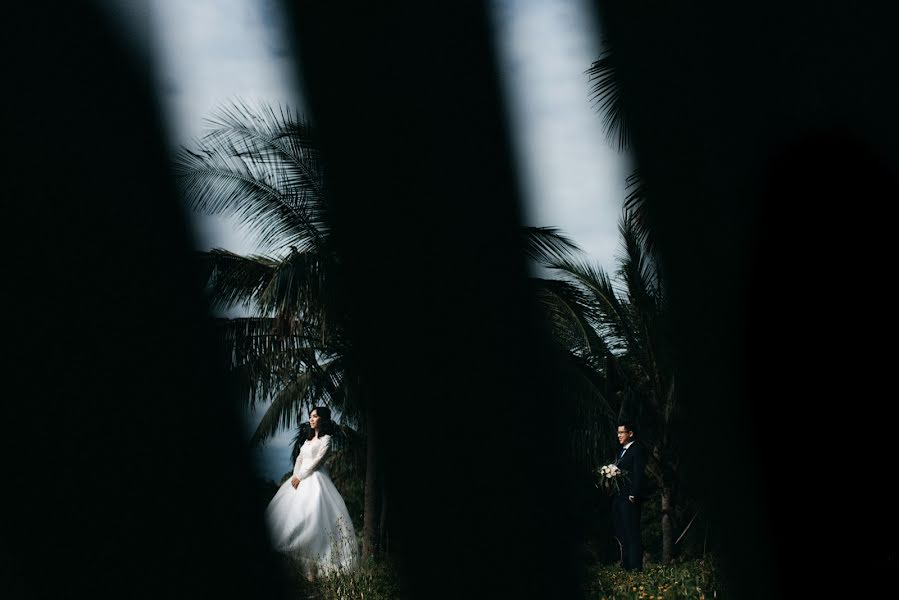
626	520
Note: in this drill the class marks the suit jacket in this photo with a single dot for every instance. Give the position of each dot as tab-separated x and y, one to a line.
634	463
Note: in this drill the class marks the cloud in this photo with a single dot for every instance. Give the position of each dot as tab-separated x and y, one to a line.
215	51
571	176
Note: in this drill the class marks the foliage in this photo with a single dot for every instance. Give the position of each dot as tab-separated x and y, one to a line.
694	580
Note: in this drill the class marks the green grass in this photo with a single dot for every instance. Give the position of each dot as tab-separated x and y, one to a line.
696	580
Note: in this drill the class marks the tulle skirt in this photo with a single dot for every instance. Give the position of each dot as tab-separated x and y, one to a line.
311	524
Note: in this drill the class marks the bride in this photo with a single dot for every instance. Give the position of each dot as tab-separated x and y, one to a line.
308	518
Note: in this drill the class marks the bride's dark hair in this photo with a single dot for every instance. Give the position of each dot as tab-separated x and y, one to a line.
326	425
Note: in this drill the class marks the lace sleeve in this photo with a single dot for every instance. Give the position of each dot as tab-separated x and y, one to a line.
298	464
305	467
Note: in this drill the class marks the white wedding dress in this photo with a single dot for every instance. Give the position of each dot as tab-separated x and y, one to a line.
311	523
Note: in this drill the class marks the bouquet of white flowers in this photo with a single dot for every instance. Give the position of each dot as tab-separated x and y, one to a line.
611	478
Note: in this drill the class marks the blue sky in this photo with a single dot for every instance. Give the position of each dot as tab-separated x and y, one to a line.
205	53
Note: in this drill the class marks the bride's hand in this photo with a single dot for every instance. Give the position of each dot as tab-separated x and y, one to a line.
295	482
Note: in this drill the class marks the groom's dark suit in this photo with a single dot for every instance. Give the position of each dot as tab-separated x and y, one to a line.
626	514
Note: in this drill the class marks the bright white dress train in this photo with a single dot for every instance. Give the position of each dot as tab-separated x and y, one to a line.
311	523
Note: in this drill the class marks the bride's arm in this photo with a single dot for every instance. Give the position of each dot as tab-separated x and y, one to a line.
298	464
308	466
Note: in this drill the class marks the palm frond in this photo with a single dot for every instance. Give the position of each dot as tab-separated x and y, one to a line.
247	337
637	207
316	386
567	308
298	286
646	300
281	143
637	269
282	413
606	94
635	201
233	279
274	136
547	244
608	312
294	288
266	352
221	181
327	378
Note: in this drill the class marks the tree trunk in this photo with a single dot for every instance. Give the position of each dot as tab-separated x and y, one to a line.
667	526
382	526
370	516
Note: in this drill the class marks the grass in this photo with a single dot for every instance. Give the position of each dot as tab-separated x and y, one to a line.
376	579
695	579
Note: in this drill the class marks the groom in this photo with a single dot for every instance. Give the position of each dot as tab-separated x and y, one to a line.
627	501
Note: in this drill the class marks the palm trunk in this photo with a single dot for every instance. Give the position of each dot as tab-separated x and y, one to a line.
667	526
382	526
370	517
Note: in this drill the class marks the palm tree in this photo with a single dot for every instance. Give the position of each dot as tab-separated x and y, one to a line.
617	340
641	259
264	168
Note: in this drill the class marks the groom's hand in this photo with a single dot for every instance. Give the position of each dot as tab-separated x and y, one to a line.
295	482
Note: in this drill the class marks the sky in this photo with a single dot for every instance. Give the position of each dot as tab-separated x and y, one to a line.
205	53
573	178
